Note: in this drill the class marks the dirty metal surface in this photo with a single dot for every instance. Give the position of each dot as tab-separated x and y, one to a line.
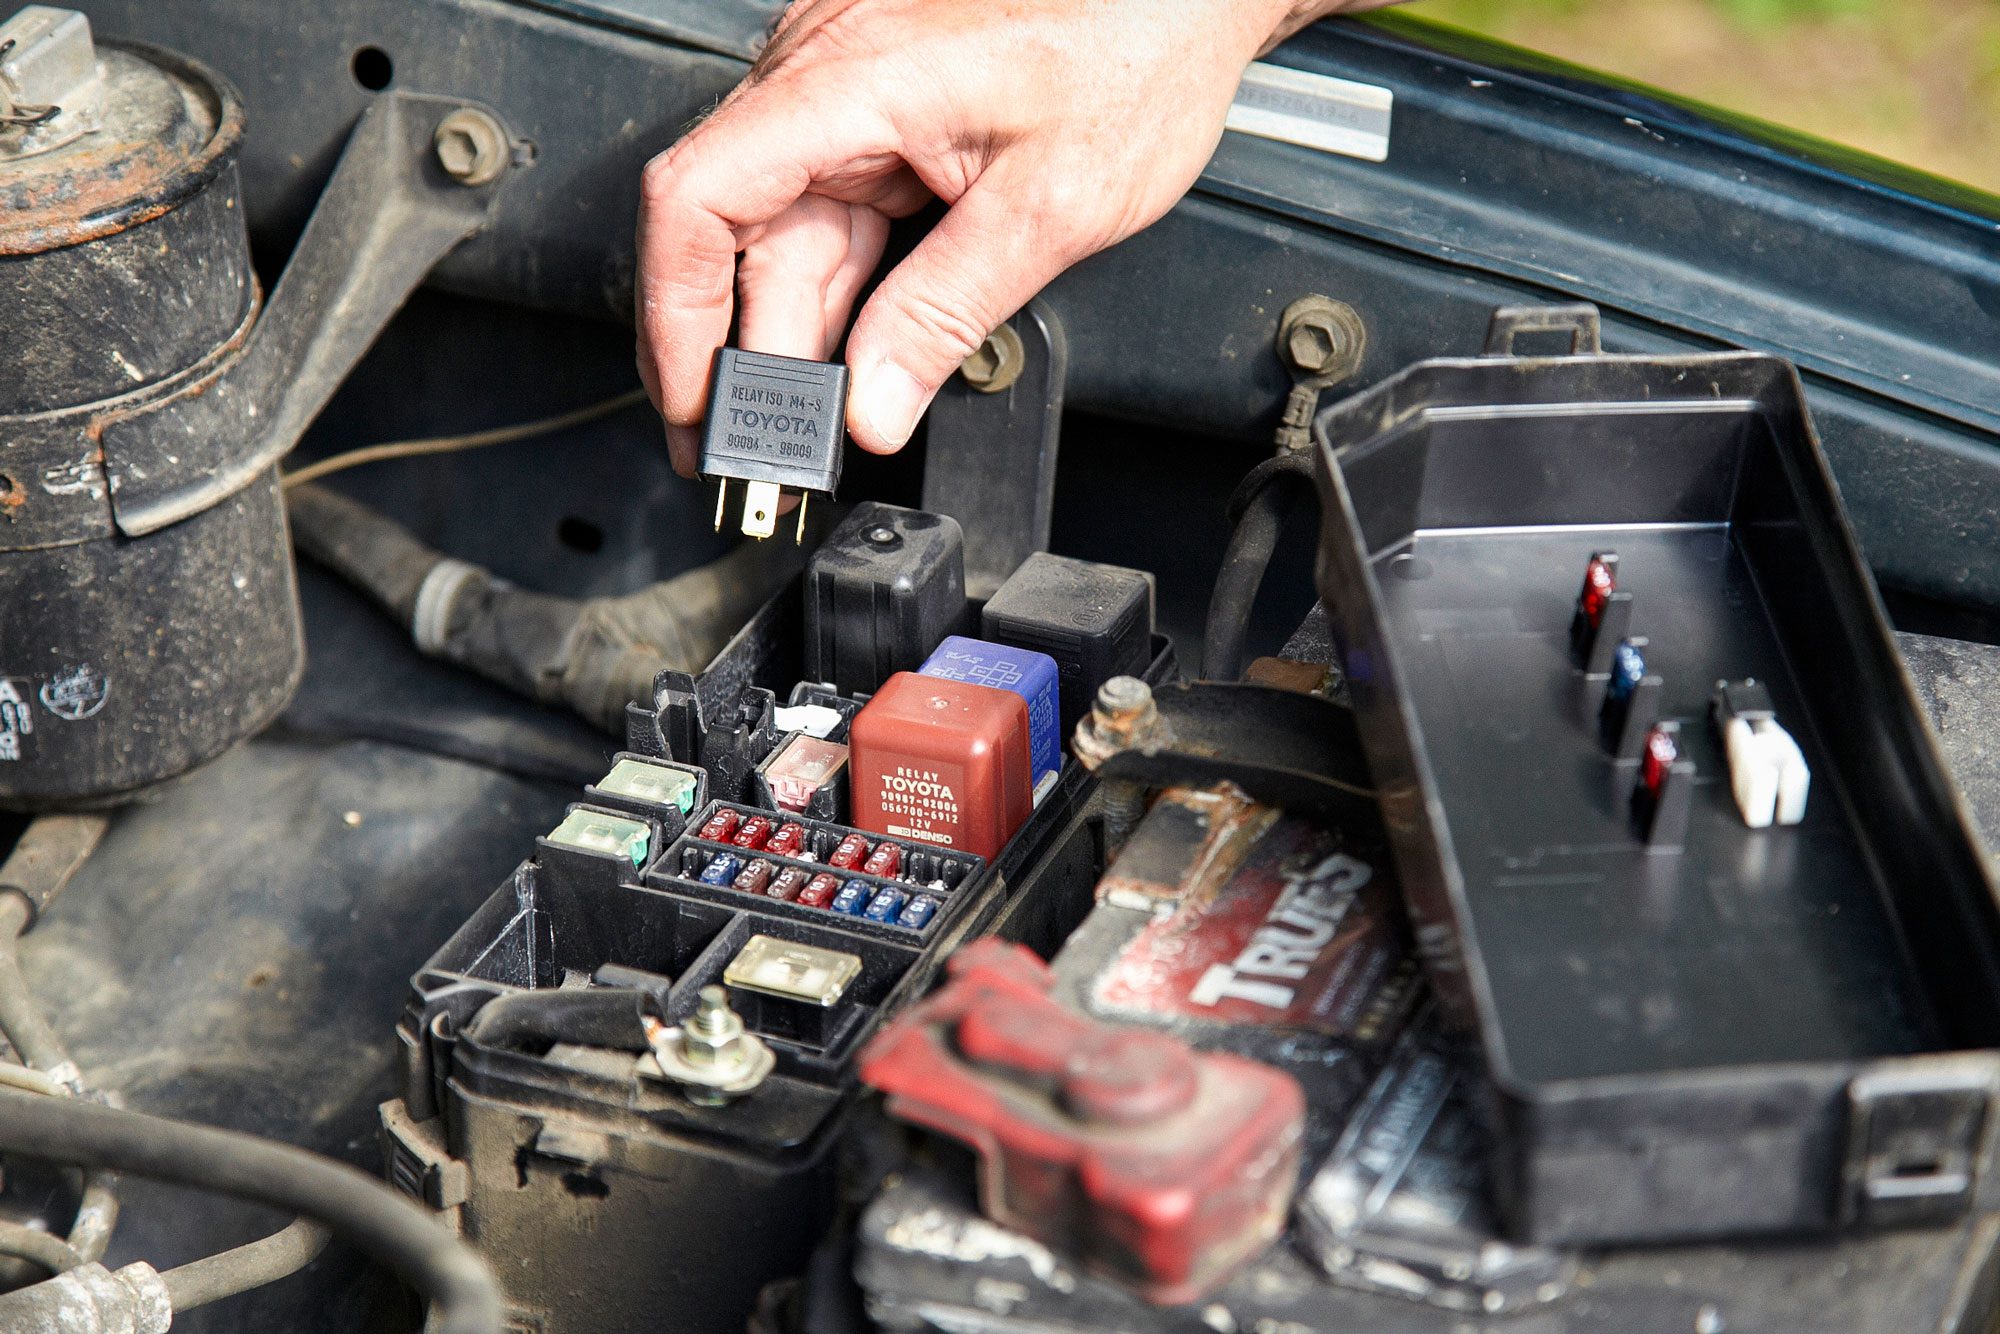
237	952
170	126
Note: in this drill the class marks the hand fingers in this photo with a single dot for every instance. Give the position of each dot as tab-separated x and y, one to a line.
797	281
711	194
994	250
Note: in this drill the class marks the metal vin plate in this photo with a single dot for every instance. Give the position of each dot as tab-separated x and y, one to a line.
1314	110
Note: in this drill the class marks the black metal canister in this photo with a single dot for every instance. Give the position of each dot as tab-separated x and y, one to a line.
125	283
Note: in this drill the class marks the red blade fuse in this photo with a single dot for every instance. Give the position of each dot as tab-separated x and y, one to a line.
1603	615
1600	581
942	762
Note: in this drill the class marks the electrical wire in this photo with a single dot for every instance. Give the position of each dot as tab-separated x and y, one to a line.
390	1228
451	444
1257	509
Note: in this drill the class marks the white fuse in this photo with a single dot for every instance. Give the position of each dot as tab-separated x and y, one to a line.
1768	775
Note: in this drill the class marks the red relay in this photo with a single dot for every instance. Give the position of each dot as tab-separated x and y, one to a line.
942	762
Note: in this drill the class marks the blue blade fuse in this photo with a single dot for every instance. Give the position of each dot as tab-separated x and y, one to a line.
1628	669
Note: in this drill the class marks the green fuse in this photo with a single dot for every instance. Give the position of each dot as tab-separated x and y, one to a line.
656	783
594	832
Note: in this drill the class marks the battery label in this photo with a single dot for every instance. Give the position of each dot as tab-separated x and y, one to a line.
1301	935
919	803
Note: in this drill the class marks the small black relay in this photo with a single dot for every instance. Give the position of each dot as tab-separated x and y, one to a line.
776	424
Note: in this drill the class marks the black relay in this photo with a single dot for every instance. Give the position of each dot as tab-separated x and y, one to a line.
1095	620
776	424
881	591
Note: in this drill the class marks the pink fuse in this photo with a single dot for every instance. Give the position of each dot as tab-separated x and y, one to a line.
803	766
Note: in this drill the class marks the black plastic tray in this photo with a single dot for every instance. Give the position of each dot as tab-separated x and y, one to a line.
1763	1031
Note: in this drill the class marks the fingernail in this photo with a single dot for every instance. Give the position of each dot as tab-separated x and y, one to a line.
683	447
891	402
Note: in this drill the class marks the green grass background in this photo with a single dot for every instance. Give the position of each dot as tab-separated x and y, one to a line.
1917	81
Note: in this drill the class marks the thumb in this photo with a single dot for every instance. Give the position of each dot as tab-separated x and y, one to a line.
983	261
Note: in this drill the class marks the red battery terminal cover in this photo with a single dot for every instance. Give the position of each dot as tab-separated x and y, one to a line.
1157	1165
942	762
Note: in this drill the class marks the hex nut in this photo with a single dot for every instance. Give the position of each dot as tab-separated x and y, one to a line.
471	146
1322	338
997	362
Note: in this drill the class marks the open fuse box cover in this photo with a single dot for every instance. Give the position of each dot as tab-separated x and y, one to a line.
1743	1030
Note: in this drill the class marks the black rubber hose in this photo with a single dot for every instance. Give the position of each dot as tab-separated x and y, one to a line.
1258	510
228	1273
354	1205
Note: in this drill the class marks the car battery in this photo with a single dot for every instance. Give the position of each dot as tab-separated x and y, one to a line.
926	1259
1669	989
1400	1206
942	762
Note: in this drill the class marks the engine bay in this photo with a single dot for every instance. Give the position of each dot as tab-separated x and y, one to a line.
1300	804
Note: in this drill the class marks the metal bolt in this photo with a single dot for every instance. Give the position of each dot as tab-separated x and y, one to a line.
882	535
1122	696
997	363
710	1037
1322	338
471	147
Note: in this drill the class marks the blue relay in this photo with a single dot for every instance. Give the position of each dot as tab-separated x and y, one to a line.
1031	675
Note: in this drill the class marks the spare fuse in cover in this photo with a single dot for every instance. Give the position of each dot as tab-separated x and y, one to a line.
942	762
800	768
1159	1166
1767	771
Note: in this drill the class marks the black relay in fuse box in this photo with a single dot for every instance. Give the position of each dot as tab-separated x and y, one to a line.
775	424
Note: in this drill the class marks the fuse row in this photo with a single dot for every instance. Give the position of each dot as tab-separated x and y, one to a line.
853	897
841	851
1768	774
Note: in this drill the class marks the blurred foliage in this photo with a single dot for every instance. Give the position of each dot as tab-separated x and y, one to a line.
1913	80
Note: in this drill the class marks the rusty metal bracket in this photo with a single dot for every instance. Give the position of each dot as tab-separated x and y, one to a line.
388	215
1296	751
991	460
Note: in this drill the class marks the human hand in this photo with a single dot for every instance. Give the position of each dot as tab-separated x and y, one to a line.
1052	129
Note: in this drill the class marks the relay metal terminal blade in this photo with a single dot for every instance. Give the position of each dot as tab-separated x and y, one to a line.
776	424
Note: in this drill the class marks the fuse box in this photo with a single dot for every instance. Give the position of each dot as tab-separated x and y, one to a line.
730	862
